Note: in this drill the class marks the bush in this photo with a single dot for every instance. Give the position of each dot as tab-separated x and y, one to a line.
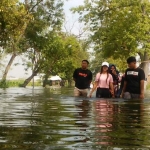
3	84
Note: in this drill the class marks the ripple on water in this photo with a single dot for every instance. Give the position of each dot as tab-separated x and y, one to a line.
42	119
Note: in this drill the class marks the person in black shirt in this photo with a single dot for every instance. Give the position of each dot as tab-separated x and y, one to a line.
134	81
82	77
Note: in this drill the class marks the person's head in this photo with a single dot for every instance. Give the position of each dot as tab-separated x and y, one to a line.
131	61
84	64
104	67
112	67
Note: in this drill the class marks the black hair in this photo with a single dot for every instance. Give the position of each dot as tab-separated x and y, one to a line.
112	65
131	59
86	61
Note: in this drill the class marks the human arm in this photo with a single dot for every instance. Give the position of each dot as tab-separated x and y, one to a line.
142	89
124	88
112	89
90	77
75	75
142	79
124	82
94	88
111	86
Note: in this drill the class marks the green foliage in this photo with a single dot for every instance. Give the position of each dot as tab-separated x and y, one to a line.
75	53
148	86
48	16
16	83
3	84
41	43
119	62
13	20
33	29
118	28
96	62
57	54
21	24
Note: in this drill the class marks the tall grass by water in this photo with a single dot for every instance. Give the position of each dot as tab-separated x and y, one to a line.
17	83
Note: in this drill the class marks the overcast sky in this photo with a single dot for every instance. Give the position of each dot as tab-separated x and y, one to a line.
71	25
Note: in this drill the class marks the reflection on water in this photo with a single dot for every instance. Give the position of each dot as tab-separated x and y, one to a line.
44	119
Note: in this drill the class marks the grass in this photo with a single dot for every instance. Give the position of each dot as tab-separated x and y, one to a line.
17	83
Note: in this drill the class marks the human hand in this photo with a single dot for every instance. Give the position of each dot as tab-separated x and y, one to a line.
113	96
121	95
90	95
112	93
142	96
114	72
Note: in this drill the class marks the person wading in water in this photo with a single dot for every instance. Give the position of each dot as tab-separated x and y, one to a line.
103	83
133	87
82	77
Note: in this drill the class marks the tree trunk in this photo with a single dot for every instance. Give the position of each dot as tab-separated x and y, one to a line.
8	66
69	83
45	81
145	63
29	79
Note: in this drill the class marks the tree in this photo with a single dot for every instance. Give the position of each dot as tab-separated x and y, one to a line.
13	22
76	52
58	54
119	28
48	18
30	20
45	55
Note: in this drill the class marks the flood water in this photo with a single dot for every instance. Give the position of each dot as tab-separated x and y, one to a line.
44	119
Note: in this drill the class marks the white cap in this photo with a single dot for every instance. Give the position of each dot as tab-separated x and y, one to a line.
105	64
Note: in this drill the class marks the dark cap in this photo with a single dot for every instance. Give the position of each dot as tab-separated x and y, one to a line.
131	59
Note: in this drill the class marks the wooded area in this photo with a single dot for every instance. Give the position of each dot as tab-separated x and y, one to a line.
117	29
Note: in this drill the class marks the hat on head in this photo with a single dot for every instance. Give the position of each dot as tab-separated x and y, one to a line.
131	59
105	64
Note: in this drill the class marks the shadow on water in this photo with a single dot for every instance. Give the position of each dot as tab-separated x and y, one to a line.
44	119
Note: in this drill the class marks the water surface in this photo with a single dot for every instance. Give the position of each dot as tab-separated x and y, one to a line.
44	119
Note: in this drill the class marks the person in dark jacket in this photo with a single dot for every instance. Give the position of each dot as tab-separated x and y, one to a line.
115	74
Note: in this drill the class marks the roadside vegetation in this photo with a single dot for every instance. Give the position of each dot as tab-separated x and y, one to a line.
114	30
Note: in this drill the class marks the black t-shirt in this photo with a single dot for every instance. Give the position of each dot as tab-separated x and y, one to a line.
82	78
133	78
122	81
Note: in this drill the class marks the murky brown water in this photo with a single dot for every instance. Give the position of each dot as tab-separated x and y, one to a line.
41	119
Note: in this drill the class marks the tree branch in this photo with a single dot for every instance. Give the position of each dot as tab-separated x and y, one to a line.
38	2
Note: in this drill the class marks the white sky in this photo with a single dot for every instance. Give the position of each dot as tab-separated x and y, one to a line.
71	25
